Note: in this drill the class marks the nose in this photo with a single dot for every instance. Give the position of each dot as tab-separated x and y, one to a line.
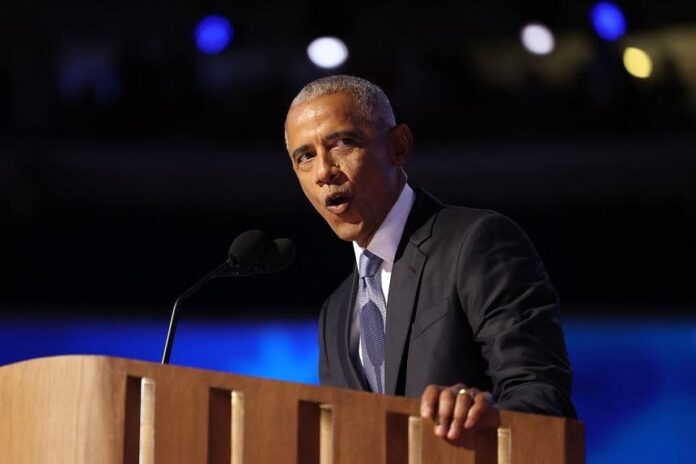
326	170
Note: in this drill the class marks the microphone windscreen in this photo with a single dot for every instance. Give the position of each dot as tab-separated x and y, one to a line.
280	255
249	247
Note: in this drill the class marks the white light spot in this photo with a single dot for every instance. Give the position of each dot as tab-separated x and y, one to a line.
327	52
537	39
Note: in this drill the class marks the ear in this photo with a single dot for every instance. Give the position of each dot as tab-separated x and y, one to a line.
401	141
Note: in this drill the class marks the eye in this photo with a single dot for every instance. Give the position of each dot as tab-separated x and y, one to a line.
304	157
345	142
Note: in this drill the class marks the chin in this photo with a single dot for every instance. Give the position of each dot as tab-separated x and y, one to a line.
346	236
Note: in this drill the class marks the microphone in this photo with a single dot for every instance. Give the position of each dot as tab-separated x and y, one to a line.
250	253
253	253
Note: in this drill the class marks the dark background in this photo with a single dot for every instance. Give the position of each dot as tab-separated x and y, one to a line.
130	160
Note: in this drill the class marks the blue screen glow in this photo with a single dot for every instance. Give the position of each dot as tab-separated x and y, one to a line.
634	385
213	34
608	20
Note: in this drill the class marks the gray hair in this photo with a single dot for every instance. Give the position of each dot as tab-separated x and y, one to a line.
370	99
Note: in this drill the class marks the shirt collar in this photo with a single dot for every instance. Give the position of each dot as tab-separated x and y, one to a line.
386	240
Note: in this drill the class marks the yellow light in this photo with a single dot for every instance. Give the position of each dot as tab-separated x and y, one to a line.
637	62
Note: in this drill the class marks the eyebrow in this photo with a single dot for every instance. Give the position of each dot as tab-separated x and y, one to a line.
343	134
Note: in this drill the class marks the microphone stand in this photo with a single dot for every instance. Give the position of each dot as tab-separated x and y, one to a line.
232	267
222	269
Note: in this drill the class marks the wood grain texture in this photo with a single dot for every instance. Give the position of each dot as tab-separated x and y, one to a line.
326	434
415	441
504	446
79	409
146	437
237	434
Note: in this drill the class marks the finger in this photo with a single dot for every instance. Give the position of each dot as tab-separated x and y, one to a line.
445	410
461	408
482	402
429	400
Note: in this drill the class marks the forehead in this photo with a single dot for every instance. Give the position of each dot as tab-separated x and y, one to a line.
324	113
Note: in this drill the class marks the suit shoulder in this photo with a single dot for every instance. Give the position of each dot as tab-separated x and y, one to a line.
462	219
465	213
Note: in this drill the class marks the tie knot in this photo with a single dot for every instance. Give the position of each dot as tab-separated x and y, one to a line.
369	263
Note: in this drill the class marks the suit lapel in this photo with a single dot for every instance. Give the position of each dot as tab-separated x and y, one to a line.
405	283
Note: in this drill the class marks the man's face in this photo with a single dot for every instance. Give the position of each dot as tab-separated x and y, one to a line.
348	169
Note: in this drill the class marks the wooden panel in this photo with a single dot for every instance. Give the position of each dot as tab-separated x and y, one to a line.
396	439
219	426
415	440
131	445
61	410
574	442
237	427
308	418
461	451
146	438
79	409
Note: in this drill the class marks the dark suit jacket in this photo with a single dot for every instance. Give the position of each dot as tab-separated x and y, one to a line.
469	301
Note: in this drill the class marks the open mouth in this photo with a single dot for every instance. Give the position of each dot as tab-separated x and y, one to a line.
337	202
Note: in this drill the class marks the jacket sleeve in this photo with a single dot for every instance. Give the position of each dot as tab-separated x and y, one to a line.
513	311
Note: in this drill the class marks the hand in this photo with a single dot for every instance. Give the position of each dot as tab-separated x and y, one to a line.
454	408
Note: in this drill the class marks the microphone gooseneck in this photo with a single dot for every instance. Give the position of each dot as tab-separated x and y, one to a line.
250	253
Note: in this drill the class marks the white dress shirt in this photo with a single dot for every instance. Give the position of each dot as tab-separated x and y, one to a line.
384	244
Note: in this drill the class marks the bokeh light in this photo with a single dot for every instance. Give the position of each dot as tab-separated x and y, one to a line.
327	52
213	34
637	62
608	20
537	39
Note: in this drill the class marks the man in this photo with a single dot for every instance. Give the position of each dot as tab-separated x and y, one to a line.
446	303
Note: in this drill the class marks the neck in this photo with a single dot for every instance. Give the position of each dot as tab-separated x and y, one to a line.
400	183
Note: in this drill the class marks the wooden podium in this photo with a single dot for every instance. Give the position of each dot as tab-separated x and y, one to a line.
100	410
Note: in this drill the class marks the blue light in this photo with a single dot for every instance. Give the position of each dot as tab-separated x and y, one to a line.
631	380
608	21
213	34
